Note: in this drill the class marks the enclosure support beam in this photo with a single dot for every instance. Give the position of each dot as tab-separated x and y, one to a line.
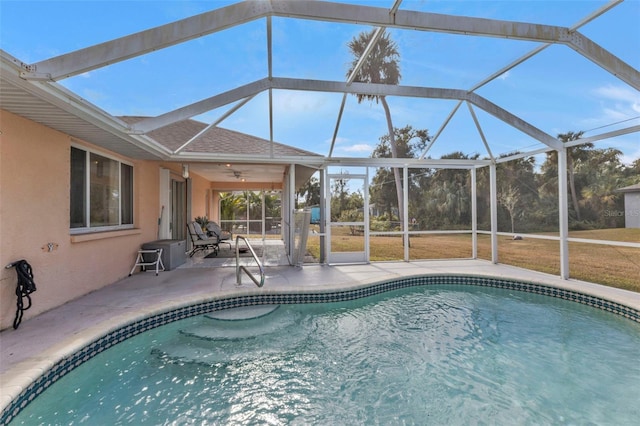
405	215
323	216
200	107
367	228
335	132
375	89
474	215
494	212
120	49
563	212
291	195
442	127
480	132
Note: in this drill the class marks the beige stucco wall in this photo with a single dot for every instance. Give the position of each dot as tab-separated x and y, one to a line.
199	189
34	211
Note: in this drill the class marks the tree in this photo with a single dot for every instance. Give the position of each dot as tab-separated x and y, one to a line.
449	196
520	175
509	197
346	206
381	67
339	195
382	192
232	206
600	194
635	167
383	188
574	154
310	192
272	210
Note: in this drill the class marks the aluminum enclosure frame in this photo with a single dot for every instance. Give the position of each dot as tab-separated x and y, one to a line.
93	57
40	81
90	58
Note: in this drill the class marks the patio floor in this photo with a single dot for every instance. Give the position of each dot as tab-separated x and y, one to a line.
40	341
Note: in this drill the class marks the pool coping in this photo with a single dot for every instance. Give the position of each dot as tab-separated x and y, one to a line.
27	379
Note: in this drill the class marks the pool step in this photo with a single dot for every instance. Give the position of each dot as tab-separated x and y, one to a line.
212	340
243	313
216	329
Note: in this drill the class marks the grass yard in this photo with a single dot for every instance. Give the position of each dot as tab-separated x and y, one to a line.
608	265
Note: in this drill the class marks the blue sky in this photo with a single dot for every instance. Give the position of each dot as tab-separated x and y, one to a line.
557	91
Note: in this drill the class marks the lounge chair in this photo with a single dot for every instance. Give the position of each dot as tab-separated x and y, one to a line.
224	237
200	241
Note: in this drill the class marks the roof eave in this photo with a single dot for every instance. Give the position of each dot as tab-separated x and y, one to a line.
68	103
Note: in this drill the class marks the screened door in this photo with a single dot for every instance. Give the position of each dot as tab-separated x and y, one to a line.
347	232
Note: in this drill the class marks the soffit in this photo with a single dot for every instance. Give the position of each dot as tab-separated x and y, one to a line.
24	104
45	104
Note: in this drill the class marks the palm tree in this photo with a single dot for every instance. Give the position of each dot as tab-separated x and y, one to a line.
380	67
232	208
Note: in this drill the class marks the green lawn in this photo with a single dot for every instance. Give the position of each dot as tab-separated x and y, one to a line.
608	265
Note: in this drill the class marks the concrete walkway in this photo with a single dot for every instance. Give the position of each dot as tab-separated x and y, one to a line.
41	341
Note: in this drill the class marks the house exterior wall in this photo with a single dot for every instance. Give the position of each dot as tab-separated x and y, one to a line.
632	210
34	211
199	190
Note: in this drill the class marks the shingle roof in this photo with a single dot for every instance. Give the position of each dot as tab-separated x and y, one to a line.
215	140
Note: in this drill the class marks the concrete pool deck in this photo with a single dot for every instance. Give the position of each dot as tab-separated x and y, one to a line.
40	342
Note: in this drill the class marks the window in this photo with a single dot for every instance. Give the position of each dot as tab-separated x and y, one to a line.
101	192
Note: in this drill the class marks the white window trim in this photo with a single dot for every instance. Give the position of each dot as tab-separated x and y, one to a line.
90	229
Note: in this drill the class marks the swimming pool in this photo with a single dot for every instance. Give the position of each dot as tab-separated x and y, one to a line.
436	354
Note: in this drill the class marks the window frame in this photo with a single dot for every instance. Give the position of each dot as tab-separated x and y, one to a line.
87	192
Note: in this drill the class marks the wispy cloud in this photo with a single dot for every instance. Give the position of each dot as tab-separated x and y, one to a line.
504	76
627	101
620	94
291	102
359	147
617	103
339	141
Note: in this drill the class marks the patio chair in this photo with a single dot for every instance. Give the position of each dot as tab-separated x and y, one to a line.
199	240
224	237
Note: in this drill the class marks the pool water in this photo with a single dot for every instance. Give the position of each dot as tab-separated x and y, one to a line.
430	355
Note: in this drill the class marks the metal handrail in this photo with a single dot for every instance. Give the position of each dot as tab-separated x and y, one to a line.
243	268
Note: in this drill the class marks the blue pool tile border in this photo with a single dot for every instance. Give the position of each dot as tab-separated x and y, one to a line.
66	365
